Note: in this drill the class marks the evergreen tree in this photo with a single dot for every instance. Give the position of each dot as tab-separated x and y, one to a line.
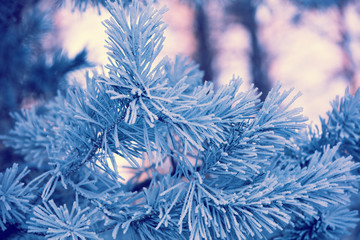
28	72
240	168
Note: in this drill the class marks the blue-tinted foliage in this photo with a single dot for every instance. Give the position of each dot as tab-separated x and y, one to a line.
82	5
207	164
341	127
319	4
340	130
58	223
26	71
15	197
34	135
29	73
333	223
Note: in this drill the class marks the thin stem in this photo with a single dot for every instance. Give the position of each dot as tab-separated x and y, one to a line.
75	165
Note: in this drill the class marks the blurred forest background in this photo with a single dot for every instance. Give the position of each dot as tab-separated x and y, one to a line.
314	48
311	45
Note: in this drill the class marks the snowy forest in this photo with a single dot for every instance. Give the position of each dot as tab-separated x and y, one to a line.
180	119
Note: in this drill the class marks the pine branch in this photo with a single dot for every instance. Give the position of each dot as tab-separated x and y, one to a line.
240	167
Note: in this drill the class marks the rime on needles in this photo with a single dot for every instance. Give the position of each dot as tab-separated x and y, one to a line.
239	168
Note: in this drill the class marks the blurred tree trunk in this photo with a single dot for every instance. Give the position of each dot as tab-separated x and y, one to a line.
245	13
205	54
348	63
